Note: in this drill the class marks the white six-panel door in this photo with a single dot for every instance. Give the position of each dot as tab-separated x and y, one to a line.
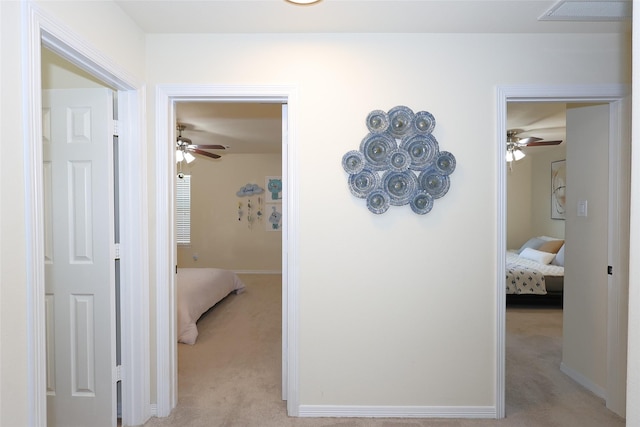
79	257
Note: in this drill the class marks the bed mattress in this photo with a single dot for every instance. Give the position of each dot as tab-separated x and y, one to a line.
199	289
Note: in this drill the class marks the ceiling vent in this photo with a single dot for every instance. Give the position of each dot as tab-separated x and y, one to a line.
586	10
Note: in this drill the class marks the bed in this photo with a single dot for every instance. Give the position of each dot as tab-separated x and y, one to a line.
199	289
535	272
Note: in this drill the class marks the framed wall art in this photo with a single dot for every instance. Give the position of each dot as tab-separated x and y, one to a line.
273	189
273	214
558	189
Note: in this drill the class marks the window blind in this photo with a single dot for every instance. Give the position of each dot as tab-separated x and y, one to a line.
183	210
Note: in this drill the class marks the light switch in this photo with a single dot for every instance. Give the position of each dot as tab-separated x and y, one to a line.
582	208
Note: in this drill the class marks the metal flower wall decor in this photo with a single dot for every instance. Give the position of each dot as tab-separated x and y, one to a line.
399	162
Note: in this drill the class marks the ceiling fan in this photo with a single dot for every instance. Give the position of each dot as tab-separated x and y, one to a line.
185	148
516	143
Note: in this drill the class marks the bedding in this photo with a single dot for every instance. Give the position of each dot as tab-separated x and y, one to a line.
525	275
199	289
559	258
533	243
536	255
552	246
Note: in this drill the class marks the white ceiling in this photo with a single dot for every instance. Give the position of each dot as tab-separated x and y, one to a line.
546	120
244	127
377	16
257	127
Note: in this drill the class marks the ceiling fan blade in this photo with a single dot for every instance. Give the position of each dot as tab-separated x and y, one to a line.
542	143
528	140
204	153
209	147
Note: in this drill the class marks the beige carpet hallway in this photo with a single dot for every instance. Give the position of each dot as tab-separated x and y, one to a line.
231	377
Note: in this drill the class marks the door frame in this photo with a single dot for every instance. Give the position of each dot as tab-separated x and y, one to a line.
43	30
617	96
166	257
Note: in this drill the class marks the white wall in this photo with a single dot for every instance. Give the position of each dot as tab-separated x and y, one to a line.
392	283
104	26
58	73
584	343
94	23
218	238
519	203
529	199
13	350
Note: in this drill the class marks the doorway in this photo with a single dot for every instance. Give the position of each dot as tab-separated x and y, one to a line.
45	33
166	247
563	341
619	142
77	111
226	225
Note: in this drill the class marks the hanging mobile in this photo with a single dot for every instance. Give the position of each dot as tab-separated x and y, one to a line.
239	211
259	213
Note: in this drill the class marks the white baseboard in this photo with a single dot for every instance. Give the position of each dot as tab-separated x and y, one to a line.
257	271
338	411
583	381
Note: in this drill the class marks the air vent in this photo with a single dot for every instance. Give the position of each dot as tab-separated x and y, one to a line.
580	10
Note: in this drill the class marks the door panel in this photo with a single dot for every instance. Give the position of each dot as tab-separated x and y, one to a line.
50	339
584	345
79	257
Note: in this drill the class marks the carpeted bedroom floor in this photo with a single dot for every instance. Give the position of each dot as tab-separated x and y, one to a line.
238	384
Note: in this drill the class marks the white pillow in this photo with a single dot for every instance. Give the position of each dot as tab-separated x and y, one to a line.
559	258
533	243
537	256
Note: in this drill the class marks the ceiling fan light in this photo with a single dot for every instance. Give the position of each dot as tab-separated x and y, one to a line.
189	157
303	2
509	156
518	155
179	156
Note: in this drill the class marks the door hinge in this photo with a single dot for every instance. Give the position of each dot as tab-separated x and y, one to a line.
114	125
610	270
117	251
119	373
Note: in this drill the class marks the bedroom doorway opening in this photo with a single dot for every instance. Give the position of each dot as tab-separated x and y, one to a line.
534	315
230	226
610	105
168	98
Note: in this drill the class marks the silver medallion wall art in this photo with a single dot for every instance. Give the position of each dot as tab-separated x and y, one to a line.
399	162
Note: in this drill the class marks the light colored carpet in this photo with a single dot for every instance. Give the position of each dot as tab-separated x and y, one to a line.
238	384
